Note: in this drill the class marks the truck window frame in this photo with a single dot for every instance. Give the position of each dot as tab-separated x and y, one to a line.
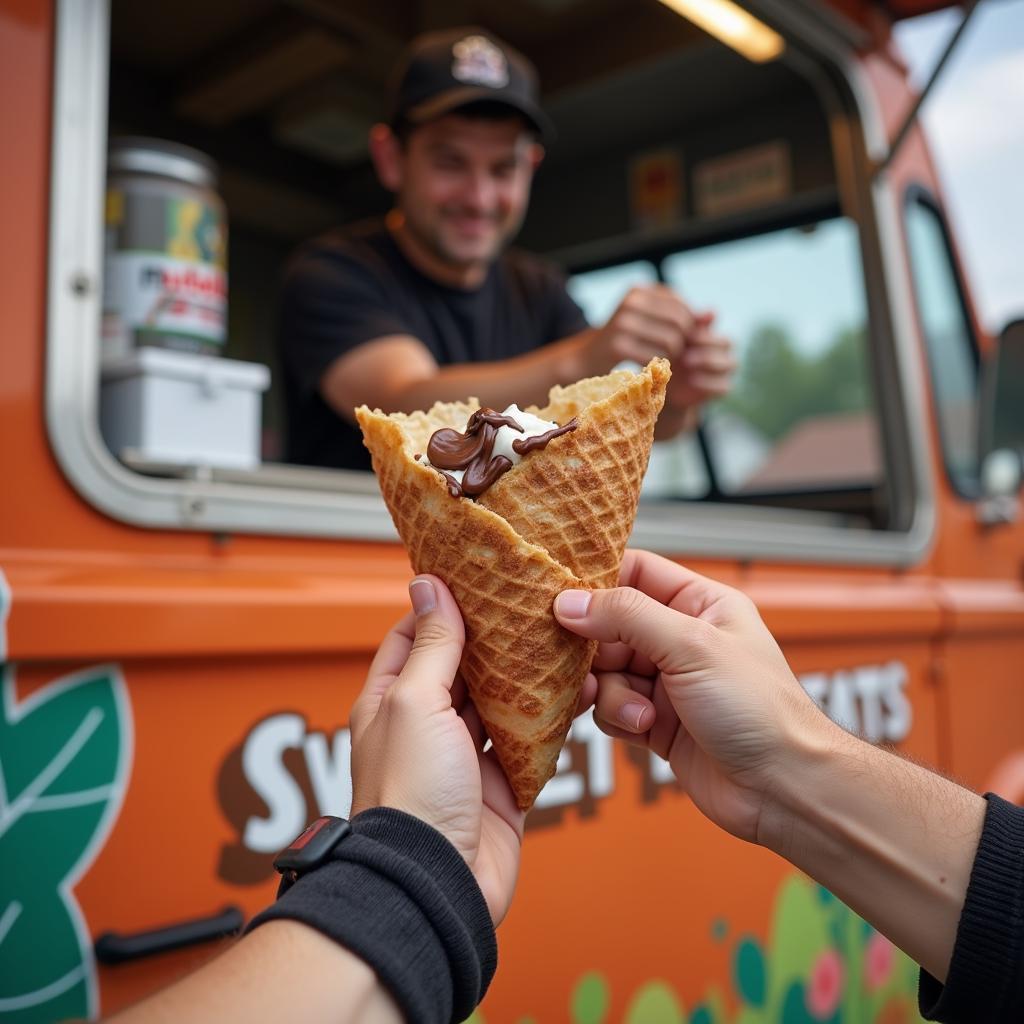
346	504
966	487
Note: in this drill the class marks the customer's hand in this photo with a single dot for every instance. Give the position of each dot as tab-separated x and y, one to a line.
417	744
687	668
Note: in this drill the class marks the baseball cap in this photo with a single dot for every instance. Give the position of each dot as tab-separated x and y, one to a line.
443	71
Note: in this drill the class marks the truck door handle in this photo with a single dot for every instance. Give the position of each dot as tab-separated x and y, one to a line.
115	948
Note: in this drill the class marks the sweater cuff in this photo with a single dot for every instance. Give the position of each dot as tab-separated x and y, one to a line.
985	982
399	896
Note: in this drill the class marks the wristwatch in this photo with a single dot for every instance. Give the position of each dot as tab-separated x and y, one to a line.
310	848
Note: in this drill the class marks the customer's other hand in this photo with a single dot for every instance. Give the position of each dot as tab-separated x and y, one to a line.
417	744
687	668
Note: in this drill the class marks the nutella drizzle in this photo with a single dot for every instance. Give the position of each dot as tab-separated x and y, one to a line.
480	475
525	445
473	451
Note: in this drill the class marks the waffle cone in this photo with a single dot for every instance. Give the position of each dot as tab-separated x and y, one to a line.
506	556
578	500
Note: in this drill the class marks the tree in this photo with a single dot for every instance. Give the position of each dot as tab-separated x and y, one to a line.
778	385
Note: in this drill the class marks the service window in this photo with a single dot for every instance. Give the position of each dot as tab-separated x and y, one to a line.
730	192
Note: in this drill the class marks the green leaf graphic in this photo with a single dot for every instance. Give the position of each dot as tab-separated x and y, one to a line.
40	986
794	1006
749	972
799	934
655	1003
590	999
63	754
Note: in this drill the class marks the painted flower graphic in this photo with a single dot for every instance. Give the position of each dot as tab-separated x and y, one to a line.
826	985
879	958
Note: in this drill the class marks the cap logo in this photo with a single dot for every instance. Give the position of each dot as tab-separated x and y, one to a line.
477	61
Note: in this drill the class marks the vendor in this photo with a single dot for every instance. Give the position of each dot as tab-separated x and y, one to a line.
432	305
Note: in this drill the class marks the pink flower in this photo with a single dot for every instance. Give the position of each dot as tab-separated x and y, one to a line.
878	960
826	985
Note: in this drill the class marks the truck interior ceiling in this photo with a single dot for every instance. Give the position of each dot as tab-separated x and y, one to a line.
676	159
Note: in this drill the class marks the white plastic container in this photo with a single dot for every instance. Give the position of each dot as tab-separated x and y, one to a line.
183	409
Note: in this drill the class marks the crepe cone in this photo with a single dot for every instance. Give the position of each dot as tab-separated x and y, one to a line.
559	519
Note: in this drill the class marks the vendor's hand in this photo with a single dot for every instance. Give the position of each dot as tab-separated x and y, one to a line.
417	744
687	668
652	320
704	370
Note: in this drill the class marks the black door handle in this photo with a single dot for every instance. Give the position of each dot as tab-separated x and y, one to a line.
115	948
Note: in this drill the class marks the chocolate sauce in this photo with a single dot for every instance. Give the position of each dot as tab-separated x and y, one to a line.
495	419
473	451
525	445
480	475
450	449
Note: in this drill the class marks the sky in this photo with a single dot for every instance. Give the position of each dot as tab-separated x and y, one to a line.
975	123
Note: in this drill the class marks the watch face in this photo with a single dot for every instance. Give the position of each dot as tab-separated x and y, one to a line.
313	846
311	832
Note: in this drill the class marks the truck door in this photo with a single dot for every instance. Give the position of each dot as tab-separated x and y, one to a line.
979	558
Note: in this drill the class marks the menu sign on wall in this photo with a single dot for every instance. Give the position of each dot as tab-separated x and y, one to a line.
742	180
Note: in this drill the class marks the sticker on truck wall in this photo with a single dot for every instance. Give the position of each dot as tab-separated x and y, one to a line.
870	700
656	189
65	760
282	774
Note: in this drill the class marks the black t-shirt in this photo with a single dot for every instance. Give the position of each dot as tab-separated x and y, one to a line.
341	291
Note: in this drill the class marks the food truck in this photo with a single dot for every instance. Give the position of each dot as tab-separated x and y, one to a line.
185	619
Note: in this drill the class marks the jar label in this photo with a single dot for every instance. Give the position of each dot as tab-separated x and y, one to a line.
152	299
165	281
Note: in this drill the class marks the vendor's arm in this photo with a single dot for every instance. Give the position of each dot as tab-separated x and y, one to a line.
397	373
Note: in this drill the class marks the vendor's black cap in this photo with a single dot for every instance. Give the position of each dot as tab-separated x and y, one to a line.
443	71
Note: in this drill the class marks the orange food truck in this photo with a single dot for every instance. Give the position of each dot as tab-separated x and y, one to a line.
185	619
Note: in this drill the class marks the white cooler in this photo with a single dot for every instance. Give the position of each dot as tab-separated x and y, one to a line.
182	408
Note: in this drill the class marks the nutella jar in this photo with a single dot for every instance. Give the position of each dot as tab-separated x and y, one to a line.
165	250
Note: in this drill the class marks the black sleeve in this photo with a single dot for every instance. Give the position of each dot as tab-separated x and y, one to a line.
986	973
566	316
332	301
400	897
